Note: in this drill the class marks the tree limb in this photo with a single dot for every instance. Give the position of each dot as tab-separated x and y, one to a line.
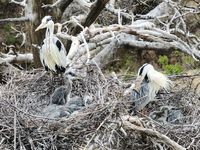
14	19
151	133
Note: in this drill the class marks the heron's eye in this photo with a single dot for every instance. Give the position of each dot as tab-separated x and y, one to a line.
48	19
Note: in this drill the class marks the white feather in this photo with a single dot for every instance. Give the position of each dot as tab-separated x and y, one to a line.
157	81
50	55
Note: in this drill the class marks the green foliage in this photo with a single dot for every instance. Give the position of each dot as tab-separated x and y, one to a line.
176	53
10	39
133	73
127	61
177	69
111	69
172	26
7	28
163	60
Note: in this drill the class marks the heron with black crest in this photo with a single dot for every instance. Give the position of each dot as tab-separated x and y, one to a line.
149	82
52	52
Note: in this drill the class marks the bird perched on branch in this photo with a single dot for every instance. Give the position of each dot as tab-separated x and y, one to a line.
168	114
149	82
52	52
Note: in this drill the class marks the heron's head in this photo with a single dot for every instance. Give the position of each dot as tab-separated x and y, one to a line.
70	75
142	73
170	109
158	116
46	22
165	109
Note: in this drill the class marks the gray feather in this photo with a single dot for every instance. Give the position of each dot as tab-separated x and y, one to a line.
141	97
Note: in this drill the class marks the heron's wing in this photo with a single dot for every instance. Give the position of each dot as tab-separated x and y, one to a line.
60	52
142	99
46	56
41	54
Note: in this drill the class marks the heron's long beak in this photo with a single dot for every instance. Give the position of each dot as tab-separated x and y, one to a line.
77	76
138	84
40	27
179	108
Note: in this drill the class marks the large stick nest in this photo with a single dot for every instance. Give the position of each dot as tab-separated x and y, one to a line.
27	94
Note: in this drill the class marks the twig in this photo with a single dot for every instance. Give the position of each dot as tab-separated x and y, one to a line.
100	127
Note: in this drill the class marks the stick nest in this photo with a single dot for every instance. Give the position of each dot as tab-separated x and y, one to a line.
27	93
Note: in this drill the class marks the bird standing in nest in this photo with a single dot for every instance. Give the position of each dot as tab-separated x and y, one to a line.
61	104
61	95
52	52
149	82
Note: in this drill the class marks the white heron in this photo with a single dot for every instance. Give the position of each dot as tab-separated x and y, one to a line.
52	52
149	82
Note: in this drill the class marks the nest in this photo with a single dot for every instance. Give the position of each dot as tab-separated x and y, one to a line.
103	124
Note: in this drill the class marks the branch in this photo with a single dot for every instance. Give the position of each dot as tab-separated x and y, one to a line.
15	19
16	58
83	4
96	8
110	7
151	133
63	4
23	3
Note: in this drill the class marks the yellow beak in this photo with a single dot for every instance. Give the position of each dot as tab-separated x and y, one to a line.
138	84
40	27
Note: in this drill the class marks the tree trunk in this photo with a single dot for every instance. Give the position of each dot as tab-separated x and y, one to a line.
35	13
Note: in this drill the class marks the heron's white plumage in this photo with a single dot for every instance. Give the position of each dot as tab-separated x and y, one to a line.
52	52
149	82
156	80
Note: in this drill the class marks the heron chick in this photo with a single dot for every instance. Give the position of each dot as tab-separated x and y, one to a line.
73	106
62	94
52	52
149	82
168	114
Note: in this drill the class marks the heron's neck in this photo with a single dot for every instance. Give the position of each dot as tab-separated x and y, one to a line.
49	32
69	87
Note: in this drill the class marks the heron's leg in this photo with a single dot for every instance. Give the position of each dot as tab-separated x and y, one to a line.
62	78
51	81
143	111
51	76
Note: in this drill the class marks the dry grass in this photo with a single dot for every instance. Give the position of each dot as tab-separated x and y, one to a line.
26	94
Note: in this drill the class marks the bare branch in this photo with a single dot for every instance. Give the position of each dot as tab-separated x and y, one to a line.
152	133
15	19
23	3
16	58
